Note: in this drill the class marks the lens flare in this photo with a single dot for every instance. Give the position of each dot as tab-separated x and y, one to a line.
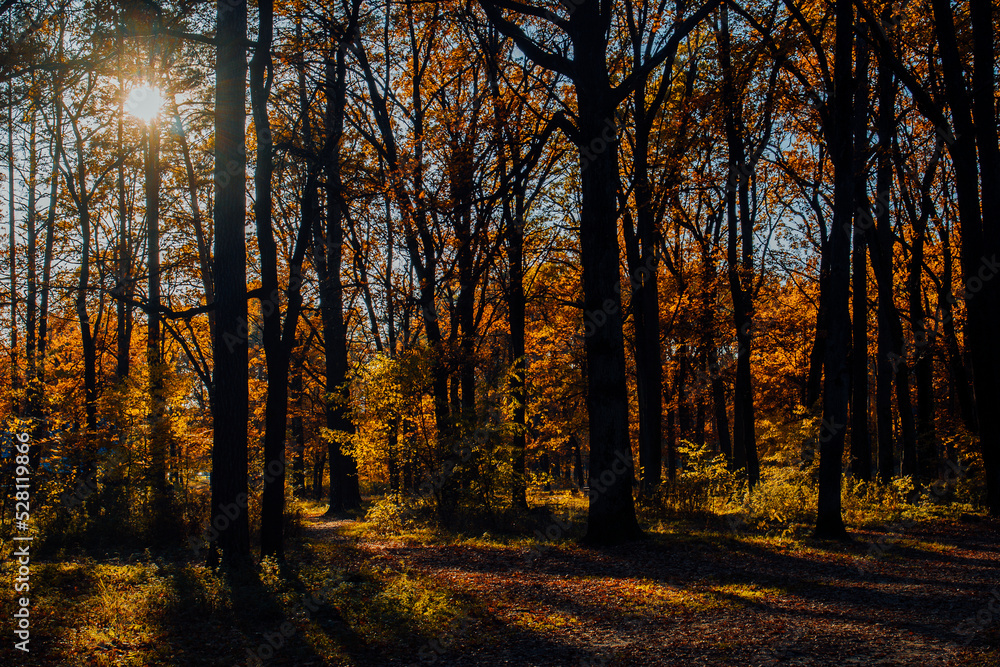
144	102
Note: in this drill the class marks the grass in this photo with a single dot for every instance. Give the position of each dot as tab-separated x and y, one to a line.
147	611
140	609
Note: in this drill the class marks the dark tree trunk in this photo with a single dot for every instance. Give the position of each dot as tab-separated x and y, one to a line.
612	516
684	390
836	290
272	505
740	263
298	432
884	368
515	308
123	287
159	432
978	239
229	450
317	477
861	453
671	446
15	371
891	365
720	406
612	510
927	454
460	180
50	224
344	489
956	364
987	365
33	389
814	379
644	284
81	195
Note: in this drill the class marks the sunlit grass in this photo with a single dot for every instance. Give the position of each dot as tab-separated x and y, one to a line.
161	613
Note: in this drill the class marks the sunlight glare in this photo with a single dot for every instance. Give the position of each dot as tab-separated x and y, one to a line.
144	102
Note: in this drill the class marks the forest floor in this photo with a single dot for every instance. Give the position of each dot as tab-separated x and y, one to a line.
694	593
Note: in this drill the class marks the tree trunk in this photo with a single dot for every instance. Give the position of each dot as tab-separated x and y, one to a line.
50	224
987	370
344	490
884	369
158	427
229	451
644	284
33	389
15	371
123	287
740	269
612	510
515	309
836	292
298	432
861	453
720	406
927	455
979	240
891	365
956	364
272	504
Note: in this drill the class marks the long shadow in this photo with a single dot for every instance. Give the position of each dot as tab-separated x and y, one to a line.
819	583
405	640
229	625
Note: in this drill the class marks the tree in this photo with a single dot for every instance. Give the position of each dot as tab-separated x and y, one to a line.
836	288
611	517
229	440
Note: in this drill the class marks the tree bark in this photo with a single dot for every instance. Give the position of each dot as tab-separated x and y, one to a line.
985	352
32	386
229	450
861	453
272	505
836	292
612	510
344	489
515	309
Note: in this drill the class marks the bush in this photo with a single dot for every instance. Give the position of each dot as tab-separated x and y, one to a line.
704	484
785	496
393	514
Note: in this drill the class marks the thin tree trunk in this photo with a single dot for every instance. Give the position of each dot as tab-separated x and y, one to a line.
272	504
956	364
644	284
123	288
892	365
720	406
15	373
515	309
861	453
884	369
741	270
927	450
298	431
50	224
33	389
159	429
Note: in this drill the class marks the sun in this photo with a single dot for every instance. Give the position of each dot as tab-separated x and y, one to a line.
144	102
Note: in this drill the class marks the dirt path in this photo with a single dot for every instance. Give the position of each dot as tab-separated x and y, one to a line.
712	600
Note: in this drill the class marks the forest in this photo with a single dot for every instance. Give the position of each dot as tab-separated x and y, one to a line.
527	332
